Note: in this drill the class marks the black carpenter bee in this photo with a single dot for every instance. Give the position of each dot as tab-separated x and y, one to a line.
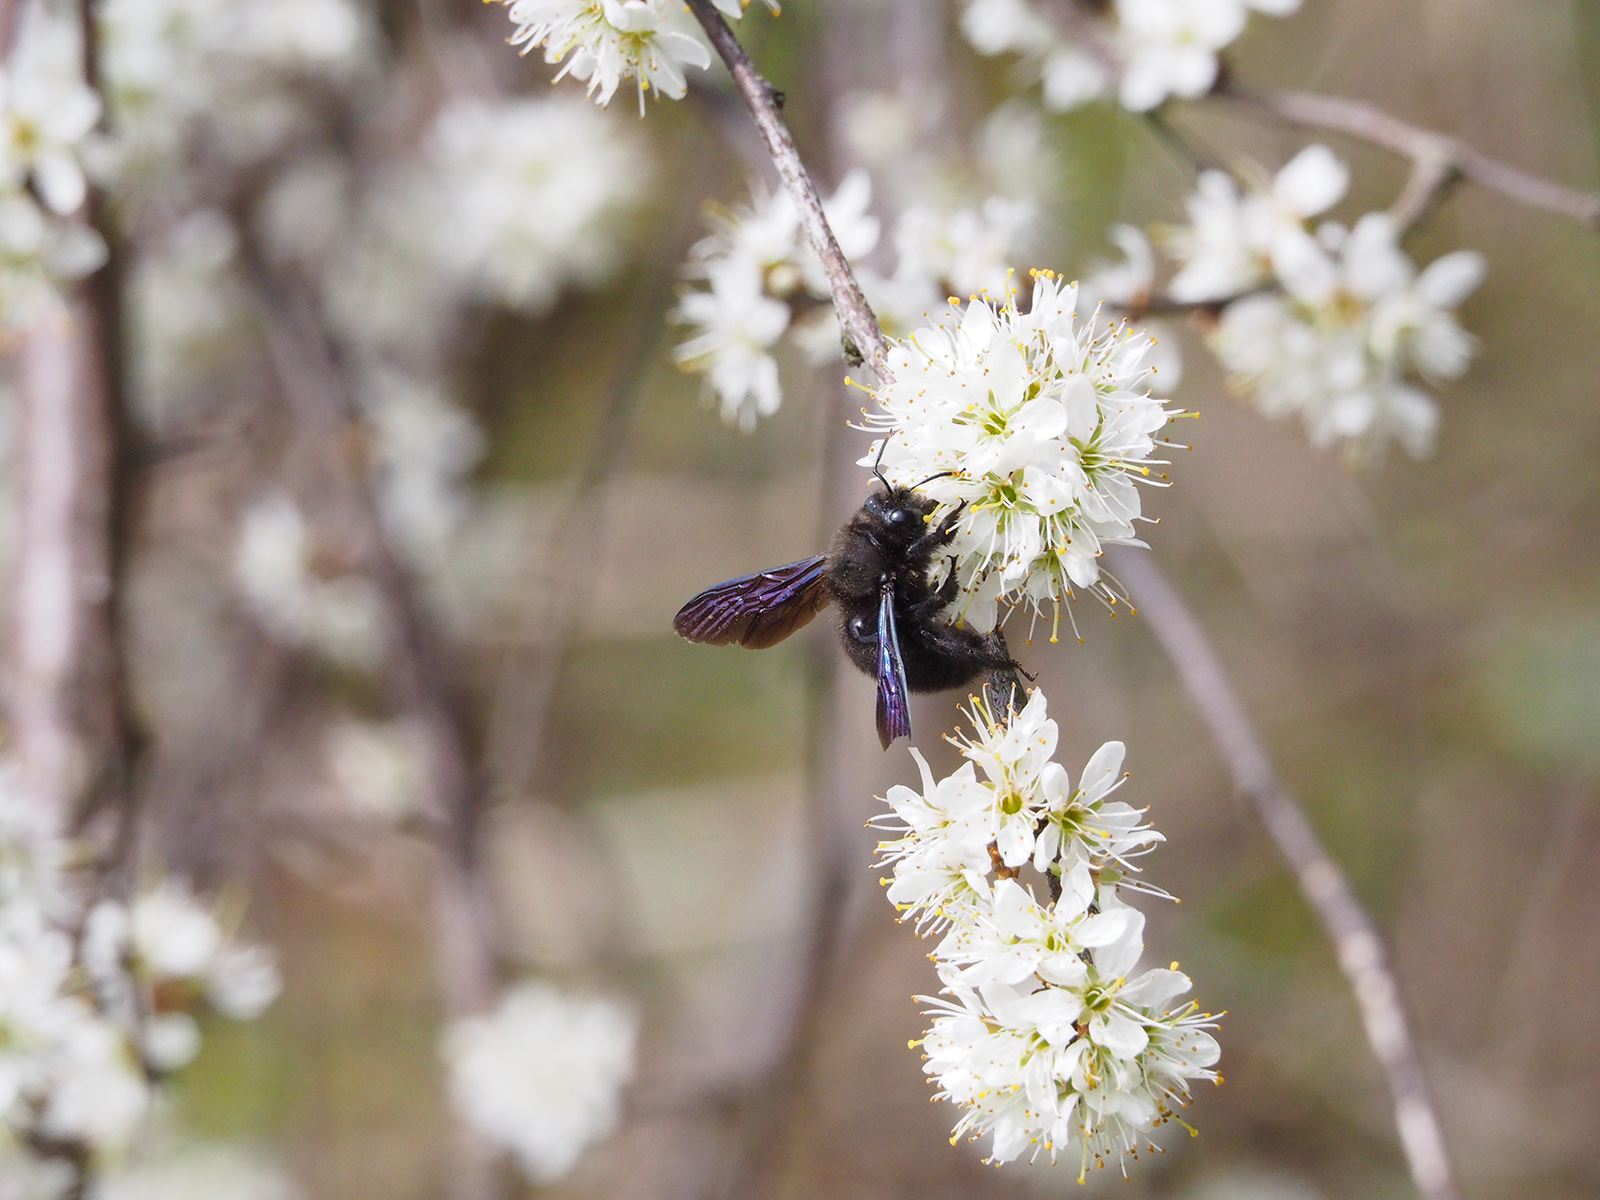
890	616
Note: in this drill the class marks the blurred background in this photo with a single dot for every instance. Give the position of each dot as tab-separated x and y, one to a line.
439	733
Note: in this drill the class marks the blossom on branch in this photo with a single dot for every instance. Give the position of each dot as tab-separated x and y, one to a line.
1035	425
605	42
1043	1034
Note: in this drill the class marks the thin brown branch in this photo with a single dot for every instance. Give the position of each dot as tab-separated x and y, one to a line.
861	328
1357	942
1443	153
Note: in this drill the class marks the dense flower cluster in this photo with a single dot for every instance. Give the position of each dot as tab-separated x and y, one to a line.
1036	426
541	1076
762	279
96	1006
1139	51
1326	322
47	117
1042	1034
606	42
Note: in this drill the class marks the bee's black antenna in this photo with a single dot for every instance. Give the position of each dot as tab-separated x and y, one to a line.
931	478
877	463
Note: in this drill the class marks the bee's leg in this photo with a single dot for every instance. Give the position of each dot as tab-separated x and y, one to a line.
941	533
941	599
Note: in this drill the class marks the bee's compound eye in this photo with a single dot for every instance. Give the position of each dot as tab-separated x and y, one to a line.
899	516
861	629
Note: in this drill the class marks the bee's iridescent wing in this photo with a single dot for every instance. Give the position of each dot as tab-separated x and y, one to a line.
894	701
757	610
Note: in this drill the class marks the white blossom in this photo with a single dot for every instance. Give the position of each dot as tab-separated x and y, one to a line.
757	258
1034	424
1352	321
341	617
605	42
737	324
1043	1035
1235	242
1140	51
47	115
541	1076
380	767
526	196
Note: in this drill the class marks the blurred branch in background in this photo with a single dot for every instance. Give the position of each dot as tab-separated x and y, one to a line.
1439	155
465	959
1355	939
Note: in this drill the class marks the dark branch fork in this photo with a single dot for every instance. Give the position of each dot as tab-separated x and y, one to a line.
1359	946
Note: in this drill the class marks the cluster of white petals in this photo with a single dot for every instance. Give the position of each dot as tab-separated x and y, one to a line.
1327	322
1138	51
340	614
523	196
1035	425
762	280
95	1006
1043	1034
606	42
542	1075
239	66
47	119
756	263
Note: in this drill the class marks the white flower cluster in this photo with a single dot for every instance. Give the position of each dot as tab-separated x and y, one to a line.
96	1006
47	118
1036	426
1140	51
759	270
341	617
542	1075
526	196
1042	1034
1327	321
239	65
605	42
509	204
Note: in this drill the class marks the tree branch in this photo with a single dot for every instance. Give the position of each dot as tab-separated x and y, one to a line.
1441	153
1356	941
861	328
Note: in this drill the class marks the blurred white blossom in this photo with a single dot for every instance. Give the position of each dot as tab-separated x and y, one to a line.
1140	51
529	195
542	1075
1043	1035
341	617
1041	424
92	1003
380	767
1235	242
47	117
1352	320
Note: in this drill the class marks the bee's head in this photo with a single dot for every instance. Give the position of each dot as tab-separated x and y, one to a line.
899	510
